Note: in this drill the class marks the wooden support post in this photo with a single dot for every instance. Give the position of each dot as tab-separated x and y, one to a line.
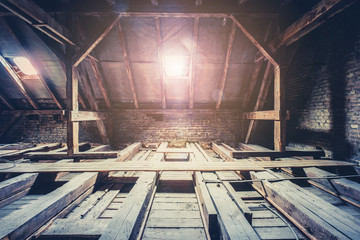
226	65
193	63
72	103
161	62
20	224
127	64
279	105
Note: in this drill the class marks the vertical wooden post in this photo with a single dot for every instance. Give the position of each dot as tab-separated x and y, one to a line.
279	104
72	103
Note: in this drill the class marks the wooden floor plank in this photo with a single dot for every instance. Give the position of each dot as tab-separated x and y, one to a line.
174	234
174	222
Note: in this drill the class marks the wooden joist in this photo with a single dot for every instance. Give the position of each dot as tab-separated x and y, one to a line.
343	186
20	224
19	154
126	222
313	215
243	165
276	154
78	155
16	187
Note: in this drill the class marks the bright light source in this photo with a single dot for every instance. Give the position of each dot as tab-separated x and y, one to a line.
25	65
175	66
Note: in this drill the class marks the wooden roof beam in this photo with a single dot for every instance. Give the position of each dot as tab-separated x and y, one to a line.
127	64
101	82
17	81
161	62
94	41
260	46
309	21
24	47
6	101
226	65
193	63
38	18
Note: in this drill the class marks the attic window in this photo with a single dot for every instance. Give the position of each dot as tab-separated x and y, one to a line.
25	65
176	66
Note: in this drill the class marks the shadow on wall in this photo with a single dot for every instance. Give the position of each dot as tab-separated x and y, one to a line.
319	85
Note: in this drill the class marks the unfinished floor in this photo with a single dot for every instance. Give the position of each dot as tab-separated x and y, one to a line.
286	202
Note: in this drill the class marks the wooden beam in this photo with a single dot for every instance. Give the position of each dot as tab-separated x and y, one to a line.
275	154
309	21
95	40
6	101
243	165
279	105
20	153
264	89
34	112
127	64
38	18
78	116
89	91
127	221
20	39
226	65
193	63
252	84
161	62
312	214
16	187
343	186
72	103
261	47
62	155
101	82
17	81
222	152
265	115
23	222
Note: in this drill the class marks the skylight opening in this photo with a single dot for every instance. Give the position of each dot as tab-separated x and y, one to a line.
25	65
175	66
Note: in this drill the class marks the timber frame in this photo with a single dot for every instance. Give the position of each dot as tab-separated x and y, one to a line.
77	52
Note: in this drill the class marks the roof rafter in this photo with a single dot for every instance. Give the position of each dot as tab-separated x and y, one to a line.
24	46
309	21
17	81
227	63
101	82
95	40
193	63
161	62
127	64
6	101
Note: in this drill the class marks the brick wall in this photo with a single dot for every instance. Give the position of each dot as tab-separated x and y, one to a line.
130	127
323	91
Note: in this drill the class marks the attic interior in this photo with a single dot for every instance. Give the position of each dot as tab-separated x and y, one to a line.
191	119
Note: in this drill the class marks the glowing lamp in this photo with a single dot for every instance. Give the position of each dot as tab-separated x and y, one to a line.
25	65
